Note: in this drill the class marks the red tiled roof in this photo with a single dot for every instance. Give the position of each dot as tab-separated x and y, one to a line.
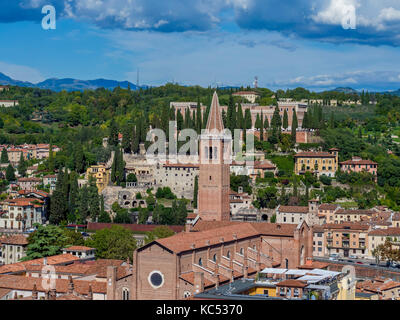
314	155
53	260
24	283
17	239
183	241
356	162
328	206
294	209
385	232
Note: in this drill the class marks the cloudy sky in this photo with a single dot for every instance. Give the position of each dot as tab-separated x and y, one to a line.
286	43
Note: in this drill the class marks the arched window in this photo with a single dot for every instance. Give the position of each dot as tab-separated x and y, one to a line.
200	262
228	254
241	251
215	257
125	294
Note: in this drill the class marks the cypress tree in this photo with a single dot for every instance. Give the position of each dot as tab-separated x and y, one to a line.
240	117
262	127
79	158
247	120
294	127
113	134
4	156
195	192
179	120
58	203
22	165
198	119
126	138
305	124
10	174
285	120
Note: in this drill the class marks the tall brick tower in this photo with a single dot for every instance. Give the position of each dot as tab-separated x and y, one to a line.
214	178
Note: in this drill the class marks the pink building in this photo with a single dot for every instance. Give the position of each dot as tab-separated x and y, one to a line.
356	164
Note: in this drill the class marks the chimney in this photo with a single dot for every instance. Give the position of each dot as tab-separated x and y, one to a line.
70	285
111	282
188	227
90	293
34	292
45	261
15	296
198	282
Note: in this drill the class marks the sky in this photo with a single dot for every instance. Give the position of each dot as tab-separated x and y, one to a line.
317	44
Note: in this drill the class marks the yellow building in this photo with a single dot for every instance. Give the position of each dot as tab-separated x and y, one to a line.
101	174
265	289
317	162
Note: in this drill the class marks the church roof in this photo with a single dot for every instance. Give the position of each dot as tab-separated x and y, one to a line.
214	118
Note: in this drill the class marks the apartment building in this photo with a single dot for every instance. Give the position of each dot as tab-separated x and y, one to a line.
378	237
13	248
346	239
21	214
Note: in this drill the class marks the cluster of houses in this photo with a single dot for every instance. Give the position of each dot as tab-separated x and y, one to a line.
29	151
351	233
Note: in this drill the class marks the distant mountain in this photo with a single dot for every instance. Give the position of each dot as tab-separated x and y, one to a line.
69	84
345	90
393	93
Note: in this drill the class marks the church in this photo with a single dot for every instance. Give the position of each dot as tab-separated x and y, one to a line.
214	250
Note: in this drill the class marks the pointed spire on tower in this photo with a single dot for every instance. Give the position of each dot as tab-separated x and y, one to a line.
214	118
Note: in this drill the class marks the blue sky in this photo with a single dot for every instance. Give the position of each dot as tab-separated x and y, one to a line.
286	43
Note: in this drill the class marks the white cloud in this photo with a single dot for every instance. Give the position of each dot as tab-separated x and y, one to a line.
20	72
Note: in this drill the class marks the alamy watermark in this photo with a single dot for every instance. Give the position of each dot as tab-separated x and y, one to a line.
49	20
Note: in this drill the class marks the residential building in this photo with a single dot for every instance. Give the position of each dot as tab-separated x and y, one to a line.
82	252
29	184
319	163
356	164
381	288
378	237
51	181
21	214
13	248
101	174
298	214
346	239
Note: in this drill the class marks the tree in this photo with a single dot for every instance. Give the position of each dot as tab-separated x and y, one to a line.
10	173
4	156
158	233
113	243
286	120
294	127
22	166
131	178
45	241
113	134
181	213
195	192
267	198
144	215
58	201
